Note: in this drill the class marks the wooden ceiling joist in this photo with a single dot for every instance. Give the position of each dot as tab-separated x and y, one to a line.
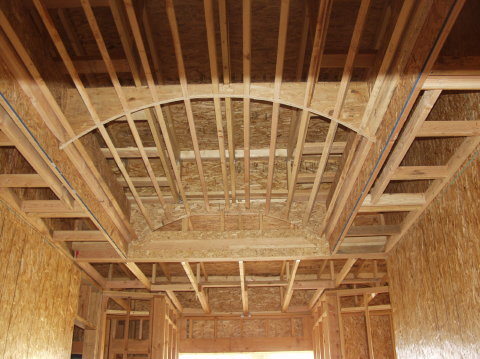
154	95
312	78
212	55
247	58
289	291
342	94
172	20
225	48
282	40
200	293
123	100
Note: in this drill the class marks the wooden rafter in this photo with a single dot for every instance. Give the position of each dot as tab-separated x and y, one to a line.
247	59
243	287
200	293
289	292
212	55
313	73
168	110
342	93
225	46
55	36
340	277
188	104
123	99
282	40
153	92
73	39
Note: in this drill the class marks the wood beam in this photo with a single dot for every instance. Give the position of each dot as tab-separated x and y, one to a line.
456	82
243	287
289	291
339	278
247	57
212	55
200	293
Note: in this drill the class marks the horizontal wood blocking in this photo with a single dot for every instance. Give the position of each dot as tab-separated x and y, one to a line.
309	149
22	180
449	129
52	209
412	173
396	202
78	236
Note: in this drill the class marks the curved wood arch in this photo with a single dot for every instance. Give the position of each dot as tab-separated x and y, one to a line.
211	97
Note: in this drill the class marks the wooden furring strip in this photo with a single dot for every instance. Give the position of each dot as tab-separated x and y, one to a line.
49	24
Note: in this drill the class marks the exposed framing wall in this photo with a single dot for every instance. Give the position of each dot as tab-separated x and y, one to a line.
284	332
39	293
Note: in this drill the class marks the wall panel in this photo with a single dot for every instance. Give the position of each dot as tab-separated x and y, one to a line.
39	293
434	275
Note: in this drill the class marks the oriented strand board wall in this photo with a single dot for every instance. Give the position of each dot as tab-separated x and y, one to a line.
39	293
434	276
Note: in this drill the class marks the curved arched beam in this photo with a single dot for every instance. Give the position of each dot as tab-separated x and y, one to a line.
211	97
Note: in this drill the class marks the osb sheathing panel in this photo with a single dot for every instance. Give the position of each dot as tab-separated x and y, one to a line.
229	328
301	297
355	336
203	329
188	300
225	299
382	343
39	294
22	105
440	254
264	299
